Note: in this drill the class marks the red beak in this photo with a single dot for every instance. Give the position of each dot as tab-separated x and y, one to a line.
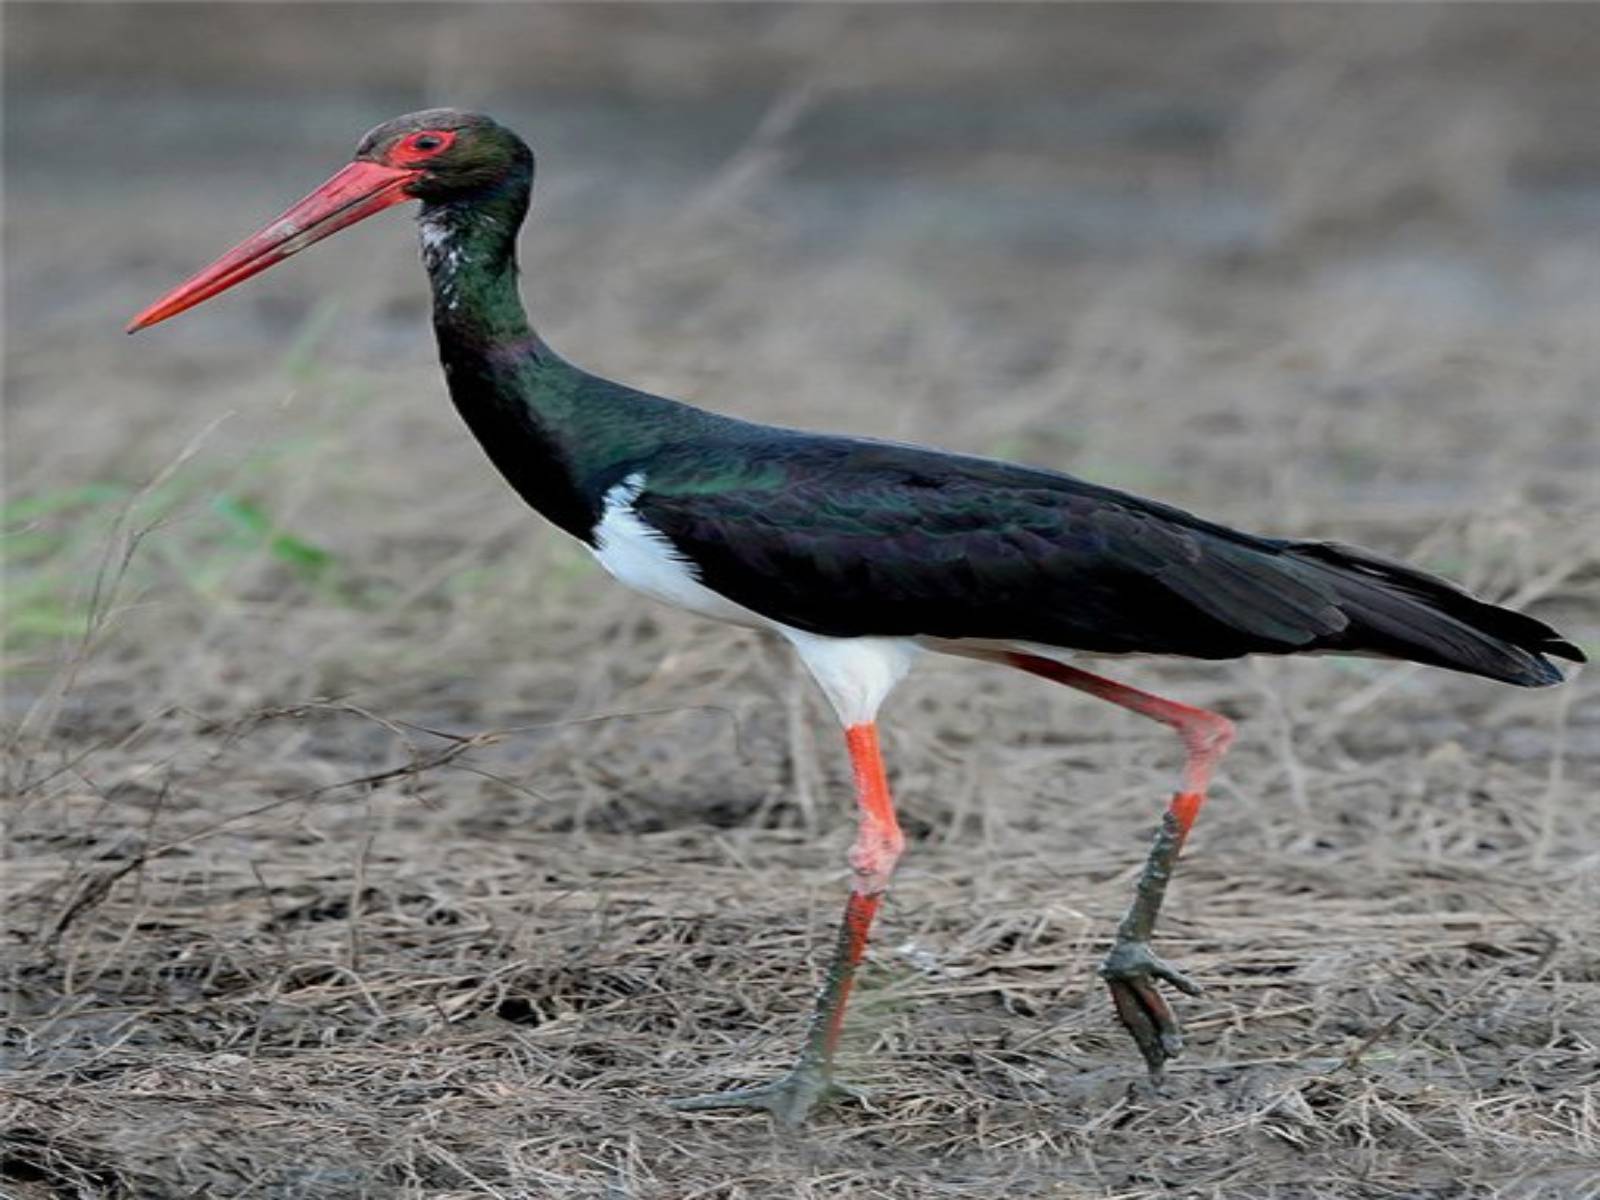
355	193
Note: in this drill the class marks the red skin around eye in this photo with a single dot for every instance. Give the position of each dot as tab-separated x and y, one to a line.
408	152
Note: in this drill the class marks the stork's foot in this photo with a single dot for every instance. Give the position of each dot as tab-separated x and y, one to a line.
789	1099
1131	971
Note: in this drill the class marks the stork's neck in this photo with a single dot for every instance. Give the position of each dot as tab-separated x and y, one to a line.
470	249
558	434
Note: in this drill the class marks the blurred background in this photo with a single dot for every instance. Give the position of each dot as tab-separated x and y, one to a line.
1314	270
1262	260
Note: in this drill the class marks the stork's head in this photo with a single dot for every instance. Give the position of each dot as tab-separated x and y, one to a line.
436	156
447	152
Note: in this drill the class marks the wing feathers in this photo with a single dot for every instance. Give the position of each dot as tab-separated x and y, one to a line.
898	541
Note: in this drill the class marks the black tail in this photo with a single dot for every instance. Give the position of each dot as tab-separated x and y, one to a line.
1401	612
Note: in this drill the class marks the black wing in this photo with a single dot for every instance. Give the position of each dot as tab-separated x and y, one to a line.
851	537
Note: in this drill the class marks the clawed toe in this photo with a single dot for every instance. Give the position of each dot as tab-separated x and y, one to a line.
1130	972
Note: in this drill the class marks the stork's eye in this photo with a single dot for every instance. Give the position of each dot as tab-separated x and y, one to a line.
426	144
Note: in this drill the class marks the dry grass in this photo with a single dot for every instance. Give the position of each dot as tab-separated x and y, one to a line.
391	851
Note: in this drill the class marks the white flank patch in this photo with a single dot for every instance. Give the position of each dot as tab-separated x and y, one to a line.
855	673
647	561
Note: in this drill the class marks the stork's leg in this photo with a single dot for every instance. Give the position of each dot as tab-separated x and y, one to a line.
1131	969
877	847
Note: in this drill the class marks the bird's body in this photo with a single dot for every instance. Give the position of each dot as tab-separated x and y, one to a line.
854	537
864	553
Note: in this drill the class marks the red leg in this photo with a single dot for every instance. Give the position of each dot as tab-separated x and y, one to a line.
872	859
1131	969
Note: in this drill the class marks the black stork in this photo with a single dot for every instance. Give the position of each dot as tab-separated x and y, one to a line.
864	554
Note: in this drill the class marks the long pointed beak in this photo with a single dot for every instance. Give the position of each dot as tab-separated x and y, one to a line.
355	193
